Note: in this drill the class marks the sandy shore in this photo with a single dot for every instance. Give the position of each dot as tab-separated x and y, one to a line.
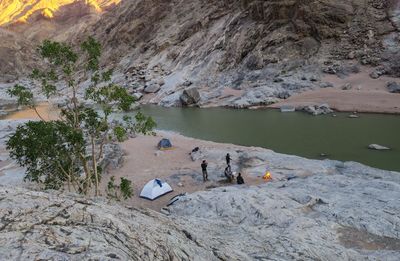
175	166
366	95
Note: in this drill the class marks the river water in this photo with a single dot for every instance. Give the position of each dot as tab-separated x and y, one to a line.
297	133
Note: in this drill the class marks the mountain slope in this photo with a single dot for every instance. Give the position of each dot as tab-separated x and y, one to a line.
20	11
25	23
238	53
16	55
243	44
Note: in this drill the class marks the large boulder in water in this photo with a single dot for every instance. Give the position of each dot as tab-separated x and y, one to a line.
190	97
377	147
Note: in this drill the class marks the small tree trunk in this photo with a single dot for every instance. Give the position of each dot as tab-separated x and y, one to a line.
87	172
69	183
94	162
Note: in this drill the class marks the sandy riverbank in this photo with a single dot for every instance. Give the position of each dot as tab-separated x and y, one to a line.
143	162
366	94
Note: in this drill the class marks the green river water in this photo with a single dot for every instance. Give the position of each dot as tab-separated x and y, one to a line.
297	133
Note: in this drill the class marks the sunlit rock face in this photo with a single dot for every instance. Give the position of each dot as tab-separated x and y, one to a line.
25	23
21	11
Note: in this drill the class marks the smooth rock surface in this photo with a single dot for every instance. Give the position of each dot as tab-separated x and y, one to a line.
311	210
348	212
153	88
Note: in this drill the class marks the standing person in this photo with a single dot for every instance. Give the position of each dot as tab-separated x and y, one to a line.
240	179
228	159
204	170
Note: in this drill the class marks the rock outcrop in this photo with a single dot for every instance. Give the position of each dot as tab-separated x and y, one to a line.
337	211
341	215
49	226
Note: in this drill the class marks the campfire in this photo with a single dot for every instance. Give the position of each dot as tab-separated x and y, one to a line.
267	176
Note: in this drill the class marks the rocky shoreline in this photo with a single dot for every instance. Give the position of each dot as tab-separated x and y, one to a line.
312	209
340	211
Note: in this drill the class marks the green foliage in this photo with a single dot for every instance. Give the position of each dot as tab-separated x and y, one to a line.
125	188
67	151
93	52
46	150
24	95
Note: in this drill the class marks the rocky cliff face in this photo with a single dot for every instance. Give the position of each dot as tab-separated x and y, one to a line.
236	53
54	227
25	11
24	24
42	19
16	55
263	49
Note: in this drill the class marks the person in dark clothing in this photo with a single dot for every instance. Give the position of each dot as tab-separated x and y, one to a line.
204	170
228	174
240	179
228	159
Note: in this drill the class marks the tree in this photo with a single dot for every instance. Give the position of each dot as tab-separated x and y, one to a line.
67	151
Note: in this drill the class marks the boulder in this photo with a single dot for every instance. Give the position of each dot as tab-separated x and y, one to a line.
283	95
137	95
347	87
196	155
152	88
318	109
393	87
113	156
314	78
326	85
377	72
161	82
171	100
353	116
190	97
377	147
187	83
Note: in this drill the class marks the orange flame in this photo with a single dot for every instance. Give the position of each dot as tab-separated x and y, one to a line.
267	176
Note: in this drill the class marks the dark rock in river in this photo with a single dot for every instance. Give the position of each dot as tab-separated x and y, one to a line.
190	97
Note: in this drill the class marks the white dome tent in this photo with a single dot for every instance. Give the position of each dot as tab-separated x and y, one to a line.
154	189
